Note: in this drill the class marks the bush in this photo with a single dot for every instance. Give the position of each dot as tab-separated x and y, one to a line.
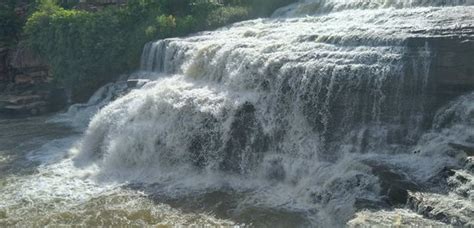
85	50
88	49
11	22
227	15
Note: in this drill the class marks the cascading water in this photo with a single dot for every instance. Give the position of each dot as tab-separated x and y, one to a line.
297	114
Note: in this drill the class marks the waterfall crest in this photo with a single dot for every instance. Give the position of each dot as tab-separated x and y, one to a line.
312	7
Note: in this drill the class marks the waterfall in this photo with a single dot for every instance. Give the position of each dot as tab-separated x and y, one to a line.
293	109
312	7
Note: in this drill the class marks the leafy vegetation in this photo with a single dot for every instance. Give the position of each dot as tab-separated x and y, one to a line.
12	20
87	49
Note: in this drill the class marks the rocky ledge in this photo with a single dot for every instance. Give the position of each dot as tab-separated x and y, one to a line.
25	83
29	99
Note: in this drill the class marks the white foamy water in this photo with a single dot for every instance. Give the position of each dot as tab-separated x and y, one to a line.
60	194
295	117
312	7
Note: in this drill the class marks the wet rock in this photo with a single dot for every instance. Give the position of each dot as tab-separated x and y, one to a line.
462	184
469	164
34	108
136	83
246	141
202	145
33	104
394	185
451	72
449	209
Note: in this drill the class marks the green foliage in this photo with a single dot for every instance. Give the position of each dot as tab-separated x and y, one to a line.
166	25
12	20
227	15
9	22
88	49
85	50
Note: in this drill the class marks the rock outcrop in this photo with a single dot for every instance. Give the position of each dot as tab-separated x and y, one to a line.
26	66
25	86
451	72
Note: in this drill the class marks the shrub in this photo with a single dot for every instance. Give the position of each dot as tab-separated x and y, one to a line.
227	15
88	49
85	50
11	22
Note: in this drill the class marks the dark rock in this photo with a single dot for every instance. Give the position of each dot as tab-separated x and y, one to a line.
396	195
451	70
434	207
462	179
395	186
446	172
34	108
205	142
469	164
27	99
246	142
136	83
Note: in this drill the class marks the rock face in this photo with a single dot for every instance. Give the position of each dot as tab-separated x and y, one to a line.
25	86
31	99
452	63
26	66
